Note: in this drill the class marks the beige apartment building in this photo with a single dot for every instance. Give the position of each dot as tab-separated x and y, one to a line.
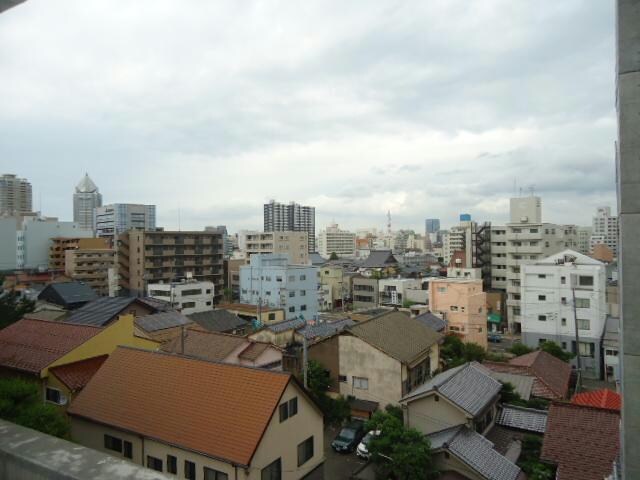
463	304
294	244
95	267
337	284
156	256
59	246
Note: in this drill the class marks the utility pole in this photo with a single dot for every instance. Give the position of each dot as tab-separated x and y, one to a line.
575	321
304	359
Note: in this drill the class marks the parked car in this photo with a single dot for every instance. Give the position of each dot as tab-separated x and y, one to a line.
348	438
494	337
363	448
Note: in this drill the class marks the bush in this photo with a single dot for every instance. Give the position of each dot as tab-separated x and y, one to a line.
529	460
520	349
455	352
556	350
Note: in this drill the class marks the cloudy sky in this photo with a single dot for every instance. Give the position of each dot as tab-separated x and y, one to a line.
211	108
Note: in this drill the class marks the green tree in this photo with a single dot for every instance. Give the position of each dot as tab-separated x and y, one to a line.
509	395
12	306
399	452
529	460
335	410
473	352
455	352
227	294
318	379
520	349
556	350
333	256
21	403
407	303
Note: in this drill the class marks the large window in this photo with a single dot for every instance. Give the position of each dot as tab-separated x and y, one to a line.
154	463
272	471
305	451
113	443
189	470
361	382
585	281
586	349
583	303
172	464
211	474
584	324
193	291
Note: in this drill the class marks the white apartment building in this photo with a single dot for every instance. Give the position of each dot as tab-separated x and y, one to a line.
605	229
115	219
584	240
397	291
293	244
187	296
548	288
527	239
499	257
333	240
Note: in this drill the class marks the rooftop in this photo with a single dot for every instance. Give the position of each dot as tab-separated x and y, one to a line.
76	375
130	392
32	345
162	321
325	329
379	259
246	308
607	399
522	418
218	320
70	292
432	321
100	311
522	384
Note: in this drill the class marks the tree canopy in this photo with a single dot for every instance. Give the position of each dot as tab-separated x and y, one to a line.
552	348
335	410
12	306
455	352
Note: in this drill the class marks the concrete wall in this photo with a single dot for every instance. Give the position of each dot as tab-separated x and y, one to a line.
327	353
428	415
8	243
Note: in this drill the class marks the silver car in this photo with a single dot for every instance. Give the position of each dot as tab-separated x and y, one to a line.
363	451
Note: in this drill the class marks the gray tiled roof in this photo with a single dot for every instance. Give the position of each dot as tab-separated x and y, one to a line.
432	321
218	320
99	311
325	329
161	321
522	418
396	334
286	325
522	384
470	386
379	259
316	259
478	453
72	292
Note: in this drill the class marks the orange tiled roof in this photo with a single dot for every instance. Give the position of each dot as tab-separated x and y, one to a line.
31	345
77	374
607	399
217	409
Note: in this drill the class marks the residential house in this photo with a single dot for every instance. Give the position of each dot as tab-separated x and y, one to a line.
582	441
222	321
163	327
432	321
551	376
69	295
513	424
398	292
66	381
283	334
199	418
222	347
249	312
465	395
104	310
188	296
379	263
386	357
366	292
30	348
603	398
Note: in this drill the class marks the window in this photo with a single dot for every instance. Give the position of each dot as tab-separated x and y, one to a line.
303	277
342	378
533	230
584	324
268	278
272	471
193	291
288	409
542	318
540	275
564	345
305	451
208	290
583	303
189	470
611	353
54	395
211	474
172	464
541	341
442	289
542	298
361	382
453	308
188	304
154	463
208	303
586	349
272	316
112	443
563	322
292	309
303	293
128	449
585	281
292	278
278	278
292	294
563	280
303	308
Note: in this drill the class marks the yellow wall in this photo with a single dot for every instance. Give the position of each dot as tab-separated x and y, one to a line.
118	333
428	415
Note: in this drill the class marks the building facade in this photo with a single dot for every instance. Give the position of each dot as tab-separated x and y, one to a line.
605	229
333	240
15	195
294	244
167	256
366	292
188	297
271	280
115	219
94	266
86	198
553	289
281	217
584	240
60	245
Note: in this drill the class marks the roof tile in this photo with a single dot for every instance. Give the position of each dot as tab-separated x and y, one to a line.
604	398
77	374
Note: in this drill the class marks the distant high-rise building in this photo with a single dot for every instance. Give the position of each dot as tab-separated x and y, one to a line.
112	220
333	240
432	225
605	229
279	217
15	195
85	199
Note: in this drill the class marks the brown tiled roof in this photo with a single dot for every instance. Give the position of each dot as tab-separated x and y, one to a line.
253	351
77	374
582	441
32	345
217	409
552	371
539	389
212	346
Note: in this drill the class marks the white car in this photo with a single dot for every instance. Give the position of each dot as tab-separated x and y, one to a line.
362	451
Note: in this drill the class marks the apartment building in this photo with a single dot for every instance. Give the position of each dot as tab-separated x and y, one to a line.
498	257
232	276
528	239
605	229
334	240
156	256
115	219
15	195
584	240
397	292
188	296
366	292
60	245
462	303
472	239
294	244
94	266
281	217
86	198
271	280
555	287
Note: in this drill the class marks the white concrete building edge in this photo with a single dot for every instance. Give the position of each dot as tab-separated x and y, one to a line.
188	296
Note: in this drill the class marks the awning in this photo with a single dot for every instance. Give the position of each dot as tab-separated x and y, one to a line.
494	318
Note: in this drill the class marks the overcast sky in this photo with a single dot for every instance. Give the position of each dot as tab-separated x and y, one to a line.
211	108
